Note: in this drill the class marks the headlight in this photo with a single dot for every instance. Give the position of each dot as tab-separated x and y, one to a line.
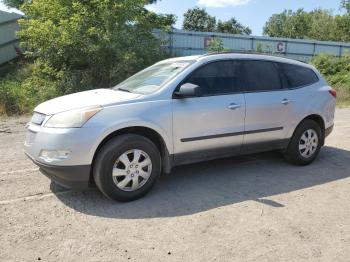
72	118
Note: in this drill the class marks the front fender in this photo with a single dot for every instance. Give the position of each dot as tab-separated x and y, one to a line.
131	123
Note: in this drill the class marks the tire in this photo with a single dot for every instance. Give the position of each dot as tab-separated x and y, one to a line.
294	154
117	173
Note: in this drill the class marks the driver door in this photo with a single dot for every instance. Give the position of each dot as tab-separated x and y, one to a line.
212	124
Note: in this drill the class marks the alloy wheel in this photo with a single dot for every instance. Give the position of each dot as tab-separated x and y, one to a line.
132	170
308	143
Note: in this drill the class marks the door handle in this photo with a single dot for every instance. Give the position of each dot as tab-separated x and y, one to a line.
234	106
286	101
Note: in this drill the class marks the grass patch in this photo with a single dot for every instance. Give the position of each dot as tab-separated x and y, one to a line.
20	91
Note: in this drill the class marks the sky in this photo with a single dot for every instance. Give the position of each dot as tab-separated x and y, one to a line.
252	13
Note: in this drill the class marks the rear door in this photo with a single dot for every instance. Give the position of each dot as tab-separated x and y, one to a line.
211	124
268	105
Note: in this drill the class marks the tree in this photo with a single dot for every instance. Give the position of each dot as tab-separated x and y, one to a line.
89	44
318	24
197	19
342	28
232	26
322	26
345	4
163	21
17	3
287	24
275	26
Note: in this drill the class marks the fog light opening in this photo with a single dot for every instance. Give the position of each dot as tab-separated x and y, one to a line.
54	155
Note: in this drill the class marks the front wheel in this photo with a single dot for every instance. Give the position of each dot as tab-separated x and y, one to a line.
127	167
305	143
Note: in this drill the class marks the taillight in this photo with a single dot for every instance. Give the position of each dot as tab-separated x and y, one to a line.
333	93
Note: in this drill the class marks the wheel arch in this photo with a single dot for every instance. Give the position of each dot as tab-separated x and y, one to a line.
148	132
319	120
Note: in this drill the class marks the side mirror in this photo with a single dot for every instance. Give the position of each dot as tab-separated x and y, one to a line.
188	90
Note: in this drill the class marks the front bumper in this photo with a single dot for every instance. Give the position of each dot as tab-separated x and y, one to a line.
80	143
74	170
75	177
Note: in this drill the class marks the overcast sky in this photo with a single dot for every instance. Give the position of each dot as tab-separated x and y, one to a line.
253	13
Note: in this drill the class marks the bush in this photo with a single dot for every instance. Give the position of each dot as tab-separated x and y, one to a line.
216	45
330	65
21	90
336	70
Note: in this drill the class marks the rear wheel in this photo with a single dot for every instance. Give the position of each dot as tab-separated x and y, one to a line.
127	167
305	143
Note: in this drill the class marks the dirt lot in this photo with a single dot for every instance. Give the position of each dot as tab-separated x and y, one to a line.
254	208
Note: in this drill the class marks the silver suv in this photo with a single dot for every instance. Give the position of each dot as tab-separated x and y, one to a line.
181	110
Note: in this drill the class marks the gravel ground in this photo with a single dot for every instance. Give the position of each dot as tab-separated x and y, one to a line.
252	208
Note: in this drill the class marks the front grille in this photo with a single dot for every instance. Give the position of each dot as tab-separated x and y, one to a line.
37	118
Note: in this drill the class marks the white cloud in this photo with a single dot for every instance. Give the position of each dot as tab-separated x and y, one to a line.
222	3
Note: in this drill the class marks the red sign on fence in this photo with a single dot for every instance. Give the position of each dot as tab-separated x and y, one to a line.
207	41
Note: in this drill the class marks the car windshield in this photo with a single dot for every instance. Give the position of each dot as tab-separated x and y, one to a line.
152	78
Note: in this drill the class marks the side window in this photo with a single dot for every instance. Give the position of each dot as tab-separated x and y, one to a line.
215	78
298	76
259	76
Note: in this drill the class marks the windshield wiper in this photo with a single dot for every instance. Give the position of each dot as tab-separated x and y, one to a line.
125	90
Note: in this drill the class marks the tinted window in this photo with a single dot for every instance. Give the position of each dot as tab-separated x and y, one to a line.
298	76
259	76
214	78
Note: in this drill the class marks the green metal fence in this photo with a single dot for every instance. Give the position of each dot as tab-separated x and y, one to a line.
182	43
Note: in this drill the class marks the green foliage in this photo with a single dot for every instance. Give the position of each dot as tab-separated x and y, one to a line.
22	89
260	48
197	19
342	29
216	45
318	24
90	44
232	26
336	70
77	45
287	24
330	65
345	4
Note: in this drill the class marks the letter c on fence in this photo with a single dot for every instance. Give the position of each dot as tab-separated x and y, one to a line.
280	47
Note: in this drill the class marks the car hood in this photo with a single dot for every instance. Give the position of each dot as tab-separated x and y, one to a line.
95	97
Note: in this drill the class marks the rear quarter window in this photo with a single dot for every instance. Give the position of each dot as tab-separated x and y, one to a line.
259	76
298	76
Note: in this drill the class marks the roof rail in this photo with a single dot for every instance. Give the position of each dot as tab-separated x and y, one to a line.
249	53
